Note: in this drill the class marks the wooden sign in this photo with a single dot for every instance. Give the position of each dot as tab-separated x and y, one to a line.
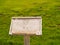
26	25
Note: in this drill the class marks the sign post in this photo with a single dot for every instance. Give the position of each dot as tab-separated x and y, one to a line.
26	26
26	39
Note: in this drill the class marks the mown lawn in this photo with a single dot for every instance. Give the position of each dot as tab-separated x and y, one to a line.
48	9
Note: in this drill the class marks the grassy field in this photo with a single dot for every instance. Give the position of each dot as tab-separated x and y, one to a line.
48	9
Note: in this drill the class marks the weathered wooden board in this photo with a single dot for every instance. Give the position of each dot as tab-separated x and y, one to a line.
26	25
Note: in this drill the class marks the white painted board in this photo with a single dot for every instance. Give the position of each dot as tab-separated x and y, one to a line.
26	25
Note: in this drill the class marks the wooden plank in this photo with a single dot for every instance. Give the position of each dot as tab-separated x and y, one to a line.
26	17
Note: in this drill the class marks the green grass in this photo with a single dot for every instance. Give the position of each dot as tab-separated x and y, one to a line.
48	9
